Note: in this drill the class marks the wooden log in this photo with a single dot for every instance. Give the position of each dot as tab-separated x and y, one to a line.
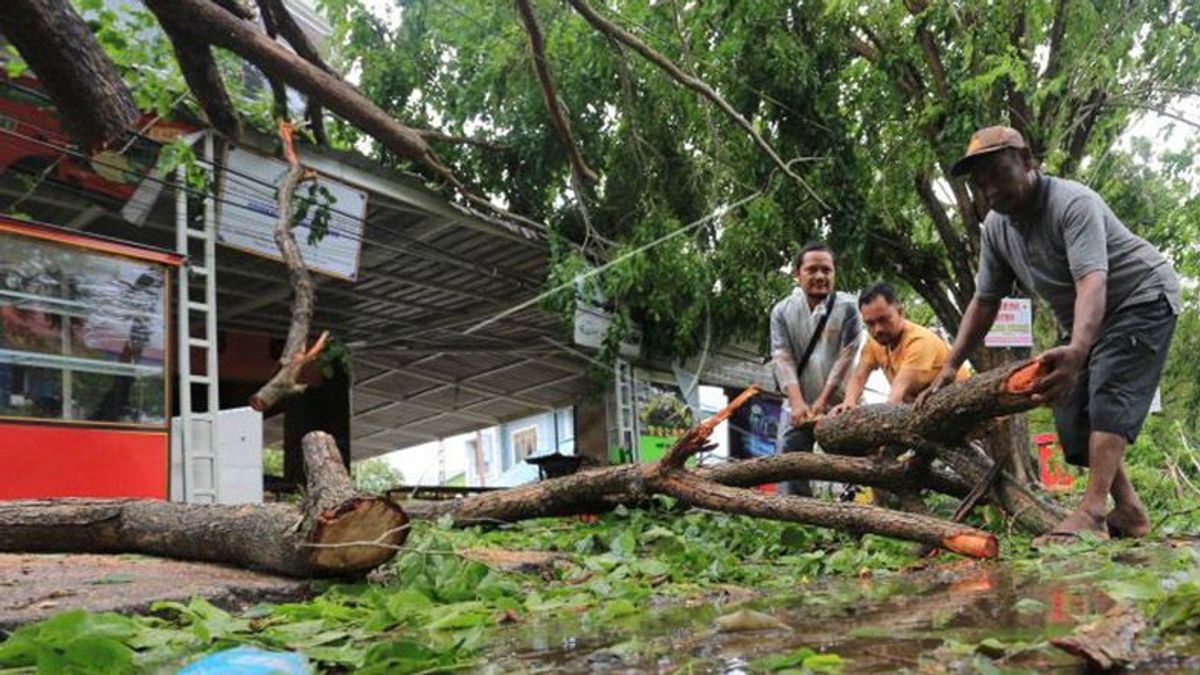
950	416
600	490
338	532
96	107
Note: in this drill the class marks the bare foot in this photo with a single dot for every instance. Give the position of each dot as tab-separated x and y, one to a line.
1128	521
1069	528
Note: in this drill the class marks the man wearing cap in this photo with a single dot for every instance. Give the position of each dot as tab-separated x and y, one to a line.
1114	294
815	333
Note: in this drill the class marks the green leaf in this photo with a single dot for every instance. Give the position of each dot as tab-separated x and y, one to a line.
618	608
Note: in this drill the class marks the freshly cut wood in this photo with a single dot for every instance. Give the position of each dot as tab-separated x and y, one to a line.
96	107
337	532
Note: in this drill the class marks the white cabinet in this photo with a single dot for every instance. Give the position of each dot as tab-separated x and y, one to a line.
239	472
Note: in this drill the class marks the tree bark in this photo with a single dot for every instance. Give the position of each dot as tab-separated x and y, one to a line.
296	353
337	532
94	103
204	79
537	49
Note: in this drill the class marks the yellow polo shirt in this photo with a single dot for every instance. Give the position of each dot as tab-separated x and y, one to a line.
920	349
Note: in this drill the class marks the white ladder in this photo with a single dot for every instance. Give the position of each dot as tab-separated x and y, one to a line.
624	410
198	246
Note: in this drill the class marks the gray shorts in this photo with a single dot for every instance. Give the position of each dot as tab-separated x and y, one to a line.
1117	385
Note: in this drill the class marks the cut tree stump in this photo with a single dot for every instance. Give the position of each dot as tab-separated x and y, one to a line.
336	532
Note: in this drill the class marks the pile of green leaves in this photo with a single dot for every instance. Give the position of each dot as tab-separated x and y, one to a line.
433	607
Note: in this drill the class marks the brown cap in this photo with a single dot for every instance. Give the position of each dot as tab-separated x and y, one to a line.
985	141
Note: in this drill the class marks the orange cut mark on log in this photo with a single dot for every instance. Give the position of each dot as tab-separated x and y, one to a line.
973	545
1021	381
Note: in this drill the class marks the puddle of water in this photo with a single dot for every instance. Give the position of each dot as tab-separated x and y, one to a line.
932	620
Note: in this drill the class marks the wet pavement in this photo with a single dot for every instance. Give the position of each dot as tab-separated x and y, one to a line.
951	617
33	587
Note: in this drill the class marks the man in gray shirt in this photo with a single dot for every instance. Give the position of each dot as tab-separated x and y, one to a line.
1115	293
811	368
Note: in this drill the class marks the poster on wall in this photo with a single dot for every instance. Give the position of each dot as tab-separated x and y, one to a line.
663	414
1013	326
753	428
248	211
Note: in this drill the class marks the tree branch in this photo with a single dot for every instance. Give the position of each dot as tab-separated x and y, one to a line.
95	105
208	23
296	353
958	250
666	65
537	49
1053	61
279	107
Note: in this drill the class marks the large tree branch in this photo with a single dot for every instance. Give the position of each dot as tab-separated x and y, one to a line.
279	96
1088	113
1020	114
94	104
537	49
1054	62
204	79
957	249
296	353
207	22
695	84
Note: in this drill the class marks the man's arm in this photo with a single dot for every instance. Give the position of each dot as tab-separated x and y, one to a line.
1062	364
855	387
906	383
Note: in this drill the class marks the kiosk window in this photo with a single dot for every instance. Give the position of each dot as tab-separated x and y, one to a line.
82	334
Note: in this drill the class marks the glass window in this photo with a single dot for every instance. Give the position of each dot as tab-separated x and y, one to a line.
82	334
525	442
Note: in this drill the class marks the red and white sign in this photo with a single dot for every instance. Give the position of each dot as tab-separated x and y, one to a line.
1013	326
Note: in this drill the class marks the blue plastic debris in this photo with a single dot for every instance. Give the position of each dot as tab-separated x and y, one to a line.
249	661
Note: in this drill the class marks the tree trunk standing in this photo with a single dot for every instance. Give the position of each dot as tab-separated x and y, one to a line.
95	105
316	540
1007	441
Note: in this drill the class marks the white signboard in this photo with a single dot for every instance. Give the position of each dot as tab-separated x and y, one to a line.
591	325
1013	326
248	211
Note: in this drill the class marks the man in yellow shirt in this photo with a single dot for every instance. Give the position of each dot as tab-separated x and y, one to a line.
910	355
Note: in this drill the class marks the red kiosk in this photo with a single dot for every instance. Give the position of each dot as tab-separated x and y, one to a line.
84	365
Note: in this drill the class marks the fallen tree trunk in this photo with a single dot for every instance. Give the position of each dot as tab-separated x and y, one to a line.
337	532
938	431
601	490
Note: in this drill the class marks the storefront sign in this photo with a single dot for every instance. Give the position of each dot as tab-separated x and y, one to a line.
1013	326
248	211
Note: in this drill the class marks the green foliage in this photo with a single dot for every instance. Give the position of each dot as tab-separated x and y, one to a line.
273	462
375	476
803	661
866	130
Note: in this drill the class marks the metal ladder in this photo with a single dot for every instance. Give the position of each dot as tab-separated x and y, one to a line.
624	408
198	454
